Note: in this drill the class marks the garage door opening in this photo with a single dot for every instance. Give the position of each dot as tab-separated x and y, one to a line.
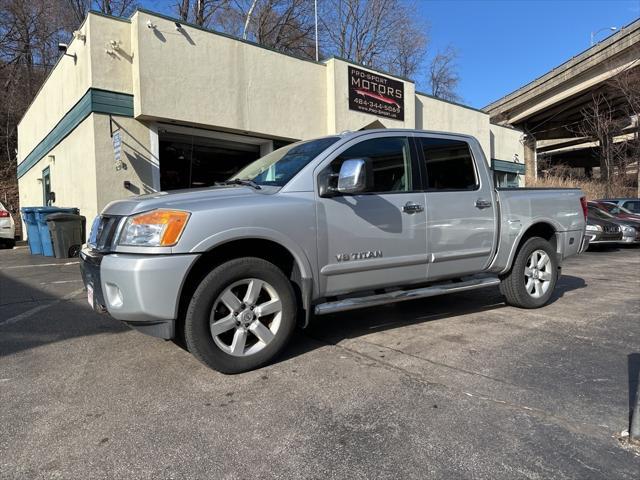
189	161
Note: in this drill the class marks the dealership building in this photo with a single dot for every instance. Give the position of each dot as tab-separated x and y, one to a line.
146	104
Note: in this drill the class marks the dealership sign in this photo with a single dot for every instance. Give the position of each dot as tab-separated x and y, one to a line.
375	94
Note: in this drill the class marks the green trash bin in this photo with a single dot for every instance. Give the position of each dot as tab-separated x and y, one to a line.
67	233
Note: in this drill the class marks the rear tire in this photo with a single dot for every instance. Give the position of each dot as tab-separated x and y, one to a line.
241	316
533	276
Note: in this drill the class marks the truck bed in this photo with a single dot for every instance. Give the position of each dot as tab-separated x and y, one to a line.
520	208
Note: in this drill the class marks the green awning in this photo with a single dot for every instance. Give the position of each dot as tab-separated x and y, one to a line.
506	166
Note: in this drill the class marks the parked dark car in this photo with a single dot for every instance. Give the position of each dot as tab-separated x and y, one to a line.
622	231
618	212
631	204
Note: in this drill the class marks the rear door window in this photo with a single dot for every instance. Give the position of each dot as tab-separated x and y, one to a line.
448	164
633	205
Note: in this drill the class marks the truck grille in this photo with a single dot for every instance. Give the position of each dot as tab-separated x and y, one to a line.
611	229
104	231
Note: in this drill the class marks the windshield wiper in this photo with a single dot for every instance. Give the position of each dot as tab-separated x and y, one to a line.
241	181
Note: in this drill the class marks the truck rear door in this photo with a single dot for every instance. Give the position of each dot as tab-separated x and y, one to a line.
461	211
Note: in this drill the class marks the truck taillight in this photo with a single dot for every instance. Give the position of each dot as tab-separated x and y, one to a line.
583	202
4	214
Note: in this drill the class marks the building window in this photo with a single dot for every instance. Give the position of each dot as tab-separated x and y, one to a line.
507	180
188	161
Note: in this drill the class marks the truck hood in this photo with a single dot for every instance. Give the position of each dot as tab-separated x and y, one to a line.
188	199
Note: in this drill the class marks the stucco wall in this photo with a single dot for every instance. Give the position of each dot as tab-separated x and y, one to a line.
506	143
66	84
433	114
136	155
202	78
111	71
73	173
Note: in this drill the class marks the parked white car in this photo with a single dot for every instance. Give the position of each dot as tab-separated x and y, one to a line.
7	228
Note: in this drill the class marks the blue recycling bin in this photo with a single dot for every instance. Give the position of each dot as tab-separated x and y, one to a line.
33	234
41	214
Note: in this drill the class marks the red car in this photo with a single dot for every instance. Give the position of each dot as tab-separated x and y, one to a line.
618	212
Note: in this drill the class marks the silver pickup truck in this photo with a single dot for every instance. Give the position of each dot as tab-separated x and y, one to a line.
324	226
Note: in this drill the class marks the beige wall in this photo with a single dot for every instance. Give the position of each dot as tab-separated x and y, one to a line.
433	114
111	70
137	156
66	84
73	173
506	143
201	78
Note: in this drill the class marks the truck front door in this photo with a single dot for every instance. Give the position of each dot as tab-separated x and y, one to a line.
461	215
377	238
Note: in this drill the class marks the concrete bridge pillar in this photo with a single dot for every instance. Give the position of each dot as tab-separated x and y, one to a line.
530	160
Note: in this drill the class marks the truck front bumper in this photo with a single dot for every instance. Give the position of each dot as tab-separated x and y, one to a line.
141	290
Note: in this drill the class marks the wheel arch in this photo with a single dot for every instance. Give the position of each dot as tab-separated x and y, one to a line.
542	229
293	264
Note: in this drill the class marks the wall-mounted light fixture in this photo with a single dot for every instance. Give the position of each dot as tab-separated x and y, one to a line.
78	35
62	47
151	25
178	25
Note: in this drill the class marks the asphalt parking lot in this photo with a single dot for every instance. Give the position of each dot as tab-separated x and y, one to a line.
459	386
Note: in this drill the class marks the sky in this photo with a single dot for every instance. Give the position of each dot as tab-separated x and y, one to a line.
505	44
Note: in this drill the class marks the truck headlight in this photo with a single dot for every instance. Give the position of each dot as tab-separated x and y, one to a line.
627	230
594	228
157	228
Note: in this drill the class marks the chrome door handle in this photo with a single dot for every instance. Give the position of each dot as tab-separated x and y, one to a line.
480	203
412	207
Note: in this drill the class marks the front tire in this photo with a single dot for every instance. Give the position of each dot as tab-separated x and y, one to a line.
533	276
241	316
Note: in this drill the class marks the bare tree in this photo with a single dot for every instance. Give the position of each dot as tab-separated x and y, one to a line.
183	7
118	8
627	84
79	8
443	77
407	48
29	33
285	25
602	123
375	33
200	12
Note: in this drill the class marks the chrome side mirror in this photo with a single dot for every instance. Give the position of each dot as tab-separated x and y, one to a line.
354	176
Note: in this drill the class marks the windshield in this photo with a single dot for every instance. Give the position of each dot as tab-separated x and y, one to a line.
614	209
280	166
596	212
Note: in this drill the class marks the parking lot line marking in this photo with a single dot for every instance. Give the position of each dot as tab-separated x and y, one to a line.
42	265
31	312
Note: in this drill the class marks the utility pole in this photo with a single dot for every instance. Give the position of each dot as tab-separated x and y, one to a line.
315	8
246	23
